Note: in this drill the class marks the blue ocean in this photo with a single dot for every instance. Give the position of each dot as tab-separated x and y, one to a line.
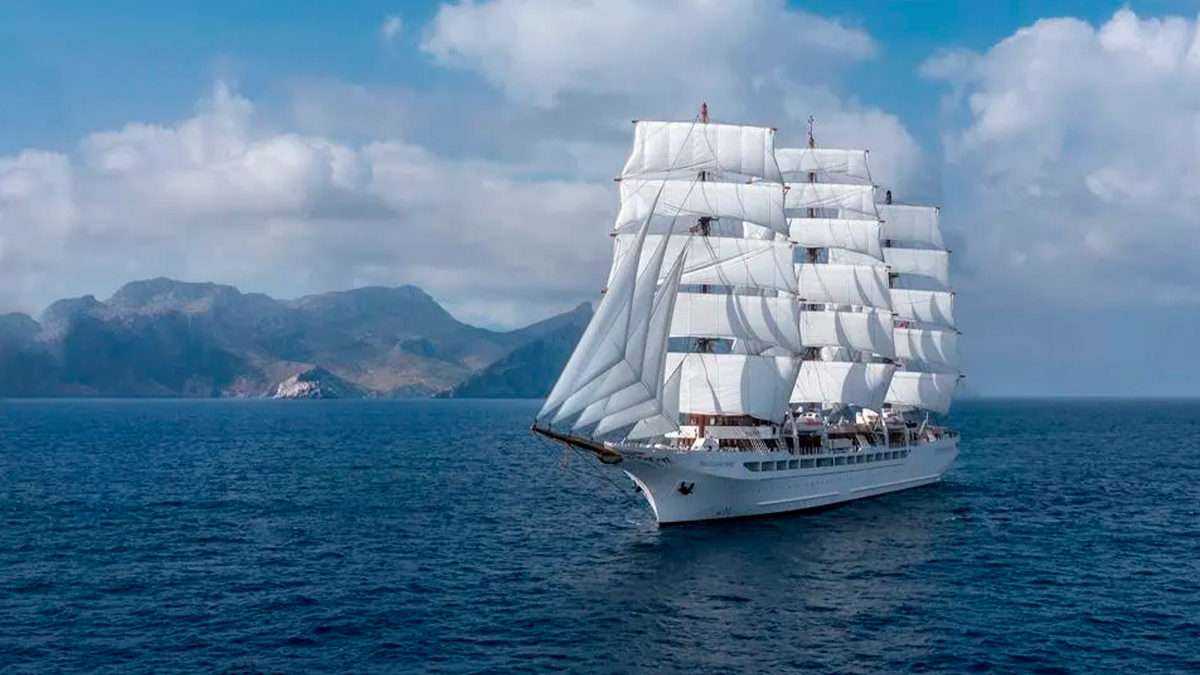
442	537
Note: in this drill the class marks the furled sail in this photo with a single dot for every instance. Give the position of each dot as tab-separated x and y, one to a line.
759	203
842	383
671	149
722	261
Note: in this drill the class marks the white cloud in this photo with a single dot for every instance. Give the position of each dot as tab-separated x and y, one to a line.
218	196
756	62
392	27
501	210
539	50
1077	166
896	161
340	109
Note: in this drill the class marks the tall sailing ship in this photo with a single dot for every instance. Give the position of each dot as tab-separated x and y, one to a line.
774	335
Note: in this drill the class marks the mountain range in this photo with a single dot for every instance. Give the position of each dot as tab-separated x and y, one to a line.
167	338
162	337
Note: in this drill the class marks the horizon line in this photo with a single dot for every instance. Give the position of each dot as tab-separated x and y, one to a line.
1006	397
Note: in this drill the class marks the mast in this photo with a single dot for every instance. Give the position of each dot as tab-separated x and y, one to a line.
812	254
704	227
925	333
845	319
787	317
892	276
736	272
812	178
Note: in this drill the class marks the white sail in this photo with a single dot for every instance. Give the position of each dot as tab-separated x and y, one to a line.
722	261
770	321
644	396
935	347
933	307
841	256
637	374
920	262
861	236
735	384
662	149
931	391
863	331
861	285
666	418
755	348
836	354
796	163
903	223
759	203
752	231
856	198
842	383
707	254
604	343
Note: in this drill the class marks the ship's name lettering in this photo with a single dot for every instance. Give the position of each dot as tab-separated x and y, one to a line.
716	463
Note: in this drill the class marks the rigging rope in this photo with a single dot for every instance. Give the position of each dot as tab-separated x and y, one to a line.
595	470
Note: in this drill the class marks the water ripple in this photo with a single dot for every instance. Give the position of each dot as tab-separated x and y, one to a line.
386	536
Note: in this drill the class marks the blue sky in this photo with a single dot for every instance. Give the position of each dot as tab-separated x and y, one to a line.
74	66
294	148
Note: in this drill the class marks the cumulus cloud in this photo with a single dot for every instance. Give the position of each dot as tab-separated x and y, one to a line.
756	62
1078	158
501	209
538	50
218	196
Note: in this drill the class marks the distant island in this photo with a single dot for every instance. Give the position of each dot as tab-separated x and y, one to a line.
167	338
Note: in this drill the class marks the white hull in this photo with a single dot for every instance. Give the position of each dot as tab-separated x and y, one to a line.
725	484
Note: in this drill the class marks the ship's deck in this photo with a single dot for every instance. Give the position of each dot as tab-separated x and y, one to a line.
820	440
